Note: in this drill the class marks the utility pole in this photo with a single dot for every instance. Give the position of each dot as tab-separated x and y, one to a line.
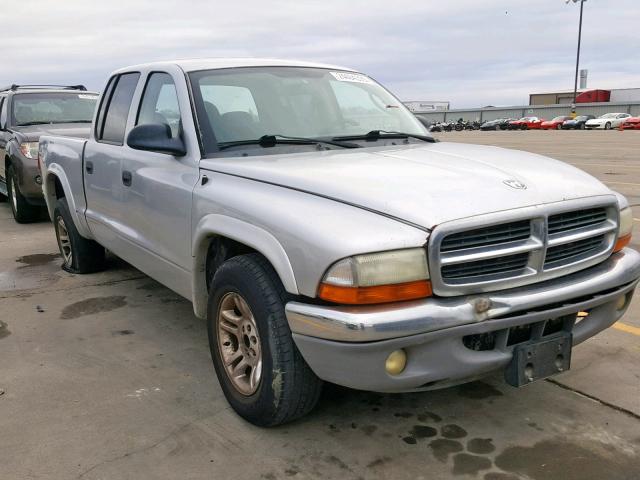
575	83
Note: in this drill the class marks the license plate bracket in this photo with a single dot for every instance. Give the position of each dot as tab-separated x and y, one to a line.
539	359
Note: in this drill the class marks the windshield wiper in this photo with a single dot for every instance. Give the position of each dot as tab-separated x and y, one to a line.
382	134
266	141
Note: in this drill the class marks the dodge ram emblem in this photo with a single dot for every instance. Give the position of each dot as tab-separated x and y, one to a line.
515	184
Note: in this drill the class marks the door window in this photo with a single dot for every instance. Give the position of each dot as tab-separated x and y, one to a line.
115	118
160	103
3	112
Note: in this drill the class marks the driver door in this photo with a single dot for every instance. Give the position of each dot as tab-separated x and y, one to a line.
158	189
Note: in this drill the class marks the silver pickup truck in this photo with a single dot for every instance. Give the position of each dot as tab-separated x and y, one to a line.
325	236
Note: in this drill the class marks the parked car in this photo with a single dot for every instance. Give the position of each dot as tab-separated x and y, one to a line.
632	123
26	113
344	246
497	124
577	123
526	123
555	123
607	121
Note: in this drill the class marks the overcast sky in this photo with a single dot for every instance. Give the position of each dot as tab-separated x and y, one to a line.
470	52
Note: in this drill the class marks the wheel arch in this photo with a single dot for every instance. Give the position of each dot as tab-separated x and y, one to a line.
228	237
55	185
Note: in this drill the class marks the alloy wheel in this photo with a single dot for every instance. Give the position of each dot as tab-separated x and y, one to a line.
14	198
239	343
64	241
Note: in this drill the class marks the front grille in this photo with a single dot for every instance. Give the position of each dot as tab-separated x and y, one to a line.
501	265
573	220
573	250
481	237
467	256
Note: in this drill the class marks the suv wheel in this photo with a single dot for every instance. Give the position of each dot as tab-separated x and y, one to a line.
23	212
80	255
261	372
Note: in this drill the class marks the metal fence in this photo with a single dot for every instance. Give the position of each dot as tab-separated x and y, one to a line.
542	111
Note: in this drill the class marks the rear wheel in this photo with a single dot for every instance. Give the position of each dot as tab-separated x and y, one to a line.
79	254
23	211
261	372
582	126
524	127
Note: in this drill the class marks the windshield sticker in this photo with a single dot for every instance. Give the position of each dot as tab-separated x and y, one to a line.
351	77
89	97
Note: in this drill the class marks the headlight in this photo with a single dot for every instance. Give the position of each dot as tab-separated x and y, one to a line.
624	229
29	149
377	278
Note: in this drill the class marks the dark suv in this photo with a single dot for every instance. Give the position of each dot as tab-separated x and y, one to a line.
26	113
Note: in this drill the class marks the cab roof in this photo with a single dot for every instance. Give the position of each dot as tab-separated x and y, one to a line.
193	65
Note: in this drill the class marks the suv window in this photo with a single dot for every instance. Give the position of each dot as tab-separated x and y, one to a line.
3	112
52	107
160	103
117	110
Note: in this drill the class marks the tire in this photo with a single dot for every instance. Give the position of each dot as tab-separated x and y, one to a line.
582	126
524	127
23	211
284	387
607	126
79	254
559	126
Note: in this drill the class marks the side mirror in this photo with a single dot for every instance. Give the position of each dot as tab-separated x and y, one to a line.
156	137
426	123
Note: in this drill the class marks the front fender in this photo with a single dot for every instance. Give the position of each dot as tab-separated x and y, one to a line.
213	225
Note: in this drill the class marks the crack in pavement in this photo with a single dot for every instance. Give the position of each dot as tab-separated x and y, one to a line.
594	398
37	291
134	452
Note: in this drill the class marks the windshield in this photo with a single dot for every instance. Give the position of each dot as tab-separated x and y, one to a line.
246	103
559	119
608	115
581	117
40	108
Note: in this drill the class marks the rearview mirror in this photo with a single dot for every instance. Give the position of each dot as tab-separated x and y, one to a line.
156	137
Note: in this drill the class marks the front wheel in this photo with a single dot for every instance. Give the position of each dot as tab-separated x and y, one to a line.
607	126
261	372
23	211
79	254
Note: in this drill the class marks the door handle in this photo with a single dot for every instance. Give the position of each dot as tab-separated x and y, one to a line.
88	166
126	177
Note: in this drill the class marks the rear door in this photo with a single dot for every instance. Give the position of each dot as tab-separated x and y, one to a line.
159	187
103	161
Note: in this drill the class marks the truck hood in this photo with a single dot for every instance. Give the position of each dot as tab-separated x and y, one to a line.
424	185
32	133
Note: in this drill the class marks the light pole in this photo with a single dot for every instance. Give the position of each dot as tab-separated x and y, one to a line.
575	82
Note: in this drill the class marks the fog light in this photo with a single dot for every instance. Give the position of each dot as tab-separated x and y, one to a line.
621	303
396	361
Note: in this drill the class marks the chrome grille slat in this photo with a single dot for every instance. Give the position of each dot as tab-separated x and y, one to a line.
569	220
521	247
572	249
487	236
505	264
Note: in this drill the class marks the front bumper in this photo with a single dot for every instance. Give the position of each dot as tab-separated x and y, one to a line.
349	345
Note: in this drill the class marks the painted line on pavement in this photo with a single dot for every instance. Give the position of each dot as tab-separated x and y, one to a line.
623	327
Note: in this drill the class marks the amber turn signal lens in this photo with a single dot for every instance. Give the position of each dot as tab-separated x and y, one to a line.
622	242
376	294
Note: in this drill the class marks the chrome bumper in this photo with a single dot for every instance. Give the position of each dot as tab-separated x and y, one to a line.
381	322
